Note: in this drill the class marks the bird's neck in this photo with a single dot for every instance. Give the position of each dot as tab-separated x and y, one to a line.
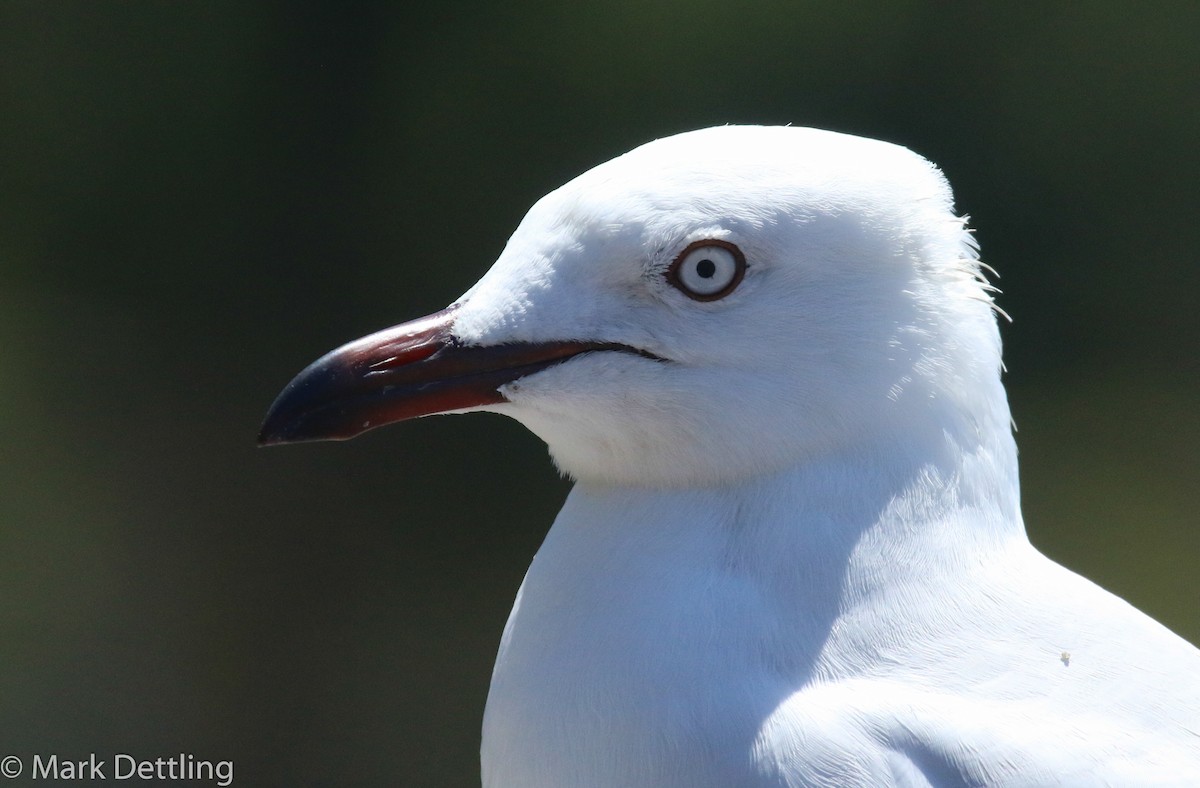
751	590
815	541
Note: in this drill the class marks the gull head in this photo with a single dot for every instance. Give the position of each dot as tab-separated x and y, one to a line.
705	308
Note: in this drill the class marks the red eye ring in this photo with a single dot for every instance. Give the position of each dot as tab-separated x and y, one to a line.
707	277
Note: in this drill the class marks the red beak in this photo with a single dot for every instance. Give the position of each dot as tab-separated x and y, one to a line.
410	370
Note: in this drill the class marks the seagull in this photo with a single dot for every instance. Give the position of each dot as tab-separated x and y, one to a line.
793	554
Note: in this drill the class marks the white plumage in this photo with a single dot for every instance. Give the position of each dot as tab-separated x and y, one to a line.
794	555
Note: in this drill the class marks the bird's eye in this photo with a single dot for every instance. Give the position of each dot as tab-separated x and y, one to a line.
708	270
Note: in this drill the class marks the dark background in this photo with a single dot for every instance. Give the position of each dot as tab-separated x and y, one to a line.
197	199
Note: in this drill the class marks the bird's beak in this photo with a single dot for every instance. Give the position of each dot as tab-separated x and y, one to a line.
410	370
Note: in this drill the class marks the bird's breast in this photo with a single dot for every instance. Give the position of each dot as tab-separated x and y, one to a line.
625	662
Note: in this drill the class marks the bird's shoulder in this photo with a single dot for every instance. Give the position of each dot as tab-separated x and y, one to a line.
877	731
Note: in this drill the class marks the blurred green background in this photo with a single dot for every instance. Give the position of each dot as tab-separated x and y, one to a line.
197	199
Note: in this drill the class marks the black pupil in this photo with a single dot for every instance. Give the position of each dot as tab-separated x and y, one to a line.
706	268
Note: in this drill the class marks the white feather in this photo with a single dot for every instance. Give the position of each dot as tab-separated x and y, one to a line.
795	555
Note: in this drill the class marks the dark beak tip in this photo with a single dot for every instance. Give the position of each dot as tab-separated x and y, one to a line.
302	412
290	422
286	434
279	423
273	433
285	420
268	439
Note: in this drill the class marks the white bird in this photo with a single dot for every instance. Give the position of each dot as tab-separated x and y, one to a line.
794	552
